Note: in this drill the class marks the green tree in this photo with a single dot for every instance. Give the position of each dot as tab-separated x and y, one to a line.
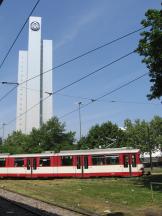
15	143
147	136
150	46
106	135
52	136
156	128
136	133
34	140
82	143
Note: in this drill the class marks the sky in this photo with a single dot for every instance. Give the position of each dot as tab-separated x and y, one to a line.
77	26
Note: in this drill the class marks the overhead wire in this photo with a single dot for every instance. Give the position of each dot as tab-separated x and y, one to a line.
92	98
84	54
12	45
13	120
74	59
78	80
107	101
16	38
7	93
74	82
106	94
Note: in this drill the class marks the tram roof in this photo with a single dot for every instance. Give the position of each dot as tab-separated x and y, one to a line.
99	151
76	152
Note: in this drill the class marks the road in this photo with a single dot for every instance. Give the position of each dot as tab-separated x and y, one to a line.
12	208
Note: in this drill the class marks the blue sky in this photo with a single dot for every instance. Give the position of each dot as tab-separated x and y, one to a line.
76	26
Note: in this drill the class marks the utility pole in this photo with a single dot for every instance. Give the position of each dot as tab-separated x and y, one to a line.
80	124
149	145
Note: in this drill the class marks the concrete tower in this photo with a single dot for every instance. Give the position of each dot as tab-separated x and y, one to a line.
34	62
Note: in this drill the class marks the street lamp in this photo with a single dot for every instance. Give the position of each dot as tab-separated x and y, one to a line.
79	103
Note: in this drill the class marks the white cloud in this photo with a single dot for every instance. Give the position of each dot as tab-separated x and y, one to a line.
78	26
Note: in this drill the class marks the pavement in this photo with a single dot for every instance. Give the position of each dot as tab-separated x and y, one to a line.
7	208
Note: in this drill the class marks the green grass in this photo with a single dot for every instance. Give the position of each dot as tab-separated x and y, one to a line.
129	195
155	170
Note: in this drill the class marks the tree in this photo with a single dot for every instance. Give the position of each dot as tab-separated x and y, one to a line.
147	136
53	136
156	128
15	143
150	46
50	137
82	143
106	135
136	134
34	140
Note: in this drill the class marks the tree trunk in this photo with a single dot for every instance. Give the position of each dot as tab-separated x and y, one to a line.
151	165
150	148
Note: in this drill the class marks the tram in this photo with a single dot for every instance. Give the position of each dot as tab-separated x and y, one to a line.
121	162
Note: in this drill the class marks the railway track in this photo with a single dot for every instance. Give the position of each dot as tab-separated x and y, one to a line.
12	203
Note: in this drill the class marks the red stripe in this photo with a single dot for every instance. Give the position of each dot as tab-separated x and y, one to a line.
54	175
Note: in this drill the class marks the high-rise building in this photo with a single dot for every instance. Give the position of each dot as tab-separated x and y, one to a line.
33	62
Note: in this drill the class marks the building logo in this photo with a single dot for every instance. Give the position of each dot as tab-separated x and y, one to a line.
35	26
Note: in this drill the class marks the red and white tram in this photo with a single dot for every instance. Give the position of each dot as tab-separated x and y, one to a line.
73	163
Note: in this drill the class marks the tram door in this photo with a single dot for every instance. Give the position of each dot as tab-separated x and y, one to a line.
127	162
31	166
82	166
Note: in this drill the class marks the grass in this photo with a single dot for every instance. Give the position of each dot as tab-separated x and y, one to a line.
129	195
155	170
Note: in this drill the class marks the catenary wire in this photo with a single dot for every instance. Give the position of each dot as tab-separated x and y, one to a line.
74	82
74	59
92	99
7	93
21	29
78	80
106	94
85	105
108	101
27	110
84	54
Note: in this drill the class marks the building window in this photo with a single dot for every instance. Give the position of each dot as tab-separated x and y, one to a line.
19	162
67	160
2	162
44	161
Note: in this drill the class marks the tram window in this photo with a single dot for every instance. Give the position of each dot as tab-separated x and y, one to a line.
112	159
67	160
126	159
2	162
98	160
19	162
78	162
133	160
34	164
44	161
28	164
86	162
